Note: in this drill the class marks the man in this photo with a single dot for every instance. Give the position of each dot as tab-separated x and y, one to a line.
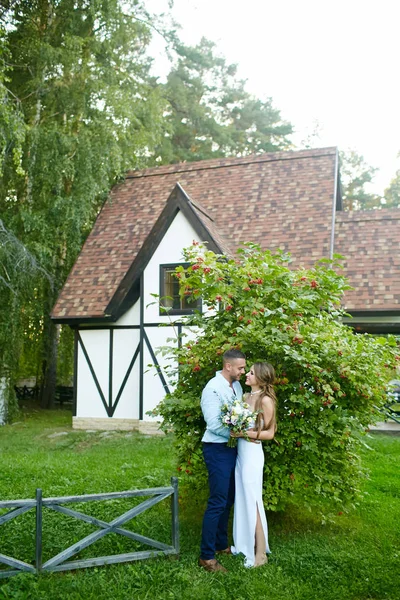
219	458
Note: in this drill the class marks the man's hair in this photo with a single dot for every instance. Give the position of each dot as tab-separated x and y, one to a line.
232	355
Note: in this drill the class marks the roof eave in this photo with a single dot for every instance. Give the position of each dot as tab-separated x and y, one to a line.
178	201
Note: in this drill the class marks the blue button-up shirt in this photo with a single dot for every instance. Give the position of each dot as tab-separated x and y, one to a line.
215	394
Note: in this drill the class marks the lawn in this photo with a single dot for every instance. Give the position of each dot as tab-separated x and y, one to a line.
355	557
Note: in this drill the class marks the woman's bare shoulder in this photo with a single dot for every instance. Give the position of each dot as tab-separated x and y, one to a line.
267	401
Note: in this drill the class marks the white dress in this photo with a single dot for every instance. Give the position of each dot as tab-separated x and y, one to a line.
248	497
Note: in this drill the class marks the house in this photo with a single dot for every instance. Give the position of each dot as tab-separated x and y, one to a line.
289	200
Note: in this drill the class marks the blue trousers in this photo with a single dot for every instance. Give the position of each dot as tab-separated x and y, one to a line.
220	462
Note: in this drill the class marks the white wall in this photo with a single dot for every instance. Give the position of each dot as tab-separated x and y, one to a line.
97	342
179	235
125	345
153	387
88	400
132	316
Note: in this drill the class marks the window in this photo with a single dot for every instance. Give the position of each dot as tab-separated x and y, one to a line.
169	293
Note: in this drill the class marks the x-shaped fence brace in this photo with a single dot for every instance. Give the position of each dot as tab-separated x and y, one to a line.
17	566
59	562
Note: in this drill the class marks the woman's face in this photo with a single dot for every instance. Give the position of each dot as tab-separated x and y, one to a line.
251	378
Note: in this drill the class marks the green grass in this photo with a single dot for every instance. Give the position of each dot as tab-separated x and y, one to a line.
356	557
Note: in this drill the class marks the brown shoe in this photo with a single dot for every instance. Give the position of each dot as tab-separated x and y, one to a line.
211	565
226	551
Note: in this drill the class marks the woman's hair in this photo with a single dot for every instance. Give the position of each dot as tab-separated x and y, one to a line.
265	375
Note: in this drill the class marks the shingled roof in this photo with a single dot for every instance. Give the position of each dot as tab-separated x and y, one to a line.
128	290
370	242
279	200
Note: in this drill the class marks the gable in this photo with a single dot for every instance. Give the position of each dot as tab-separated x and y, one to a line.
129	289
278	200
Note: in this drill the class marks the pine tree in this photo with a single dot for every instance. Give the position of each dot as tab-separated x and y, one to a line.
392	193
356	174
210	114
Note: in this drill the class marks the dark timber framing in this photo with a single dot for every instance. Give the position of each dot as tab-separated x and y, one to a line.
92	371
110	373
155	362
177	201
76	338
141	351
109	404
130	291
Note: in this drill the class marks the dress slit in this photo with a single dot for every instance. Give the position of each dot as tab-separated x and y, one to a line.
248	500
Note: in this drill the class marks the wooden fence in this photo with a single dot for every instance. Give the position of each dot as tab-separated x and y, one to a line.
60	562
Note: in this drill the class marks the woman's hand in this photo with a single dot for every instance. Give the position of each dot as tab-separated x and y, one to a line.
251	436
246	435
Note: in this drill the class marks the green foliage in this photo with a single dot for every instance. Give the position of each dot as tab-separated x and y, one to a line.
73	463
90	111
355	175
211	115
79	108
328	378
19	274
78	80
11	120
14	257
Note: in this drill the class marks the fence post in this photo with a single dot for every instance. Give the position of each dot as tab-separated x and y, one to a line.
39	513
175	514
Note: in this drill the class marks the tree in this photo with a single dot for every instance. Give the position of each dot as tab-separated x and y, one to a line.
328	378
356	174
19	274
211	115
17	266
79	109
392	193
79	73
11	120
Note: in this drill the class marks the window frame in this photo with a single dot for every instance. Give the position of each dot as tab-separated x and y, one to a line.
175	311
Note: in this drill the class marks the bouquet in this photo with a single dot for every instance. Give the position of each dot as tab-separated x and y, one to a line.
239	417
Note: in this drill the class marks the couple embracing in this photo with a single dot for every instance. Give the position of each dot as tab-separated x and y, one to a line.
236	474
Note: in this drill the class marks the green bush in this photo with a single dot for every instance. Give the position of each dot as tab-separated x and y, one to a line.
328	378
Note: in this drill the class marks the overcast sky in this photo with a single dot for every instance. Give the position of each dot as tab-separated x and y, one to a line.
335	64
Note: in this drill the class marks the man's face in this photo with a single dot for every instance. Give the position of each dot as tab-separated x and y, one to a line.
236	368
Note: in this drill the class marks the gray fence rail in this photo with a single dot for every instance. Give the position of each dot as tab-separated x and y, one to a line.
61	562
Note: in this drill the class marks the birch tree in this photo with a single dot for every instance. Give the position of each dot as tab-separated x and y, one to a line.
79	73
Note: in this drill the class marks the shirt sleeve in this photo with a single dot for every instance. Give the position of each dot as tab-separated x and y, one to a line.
211	407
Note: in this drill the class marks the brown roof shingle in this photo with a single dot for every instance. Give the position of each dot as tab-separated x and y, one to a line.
279	199
370	241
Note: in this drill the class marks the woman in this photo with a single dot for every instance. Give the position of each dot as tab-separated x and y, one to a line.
250	530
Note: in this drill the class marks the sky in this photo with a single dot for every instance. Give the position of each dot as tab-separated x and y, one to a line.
332	65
